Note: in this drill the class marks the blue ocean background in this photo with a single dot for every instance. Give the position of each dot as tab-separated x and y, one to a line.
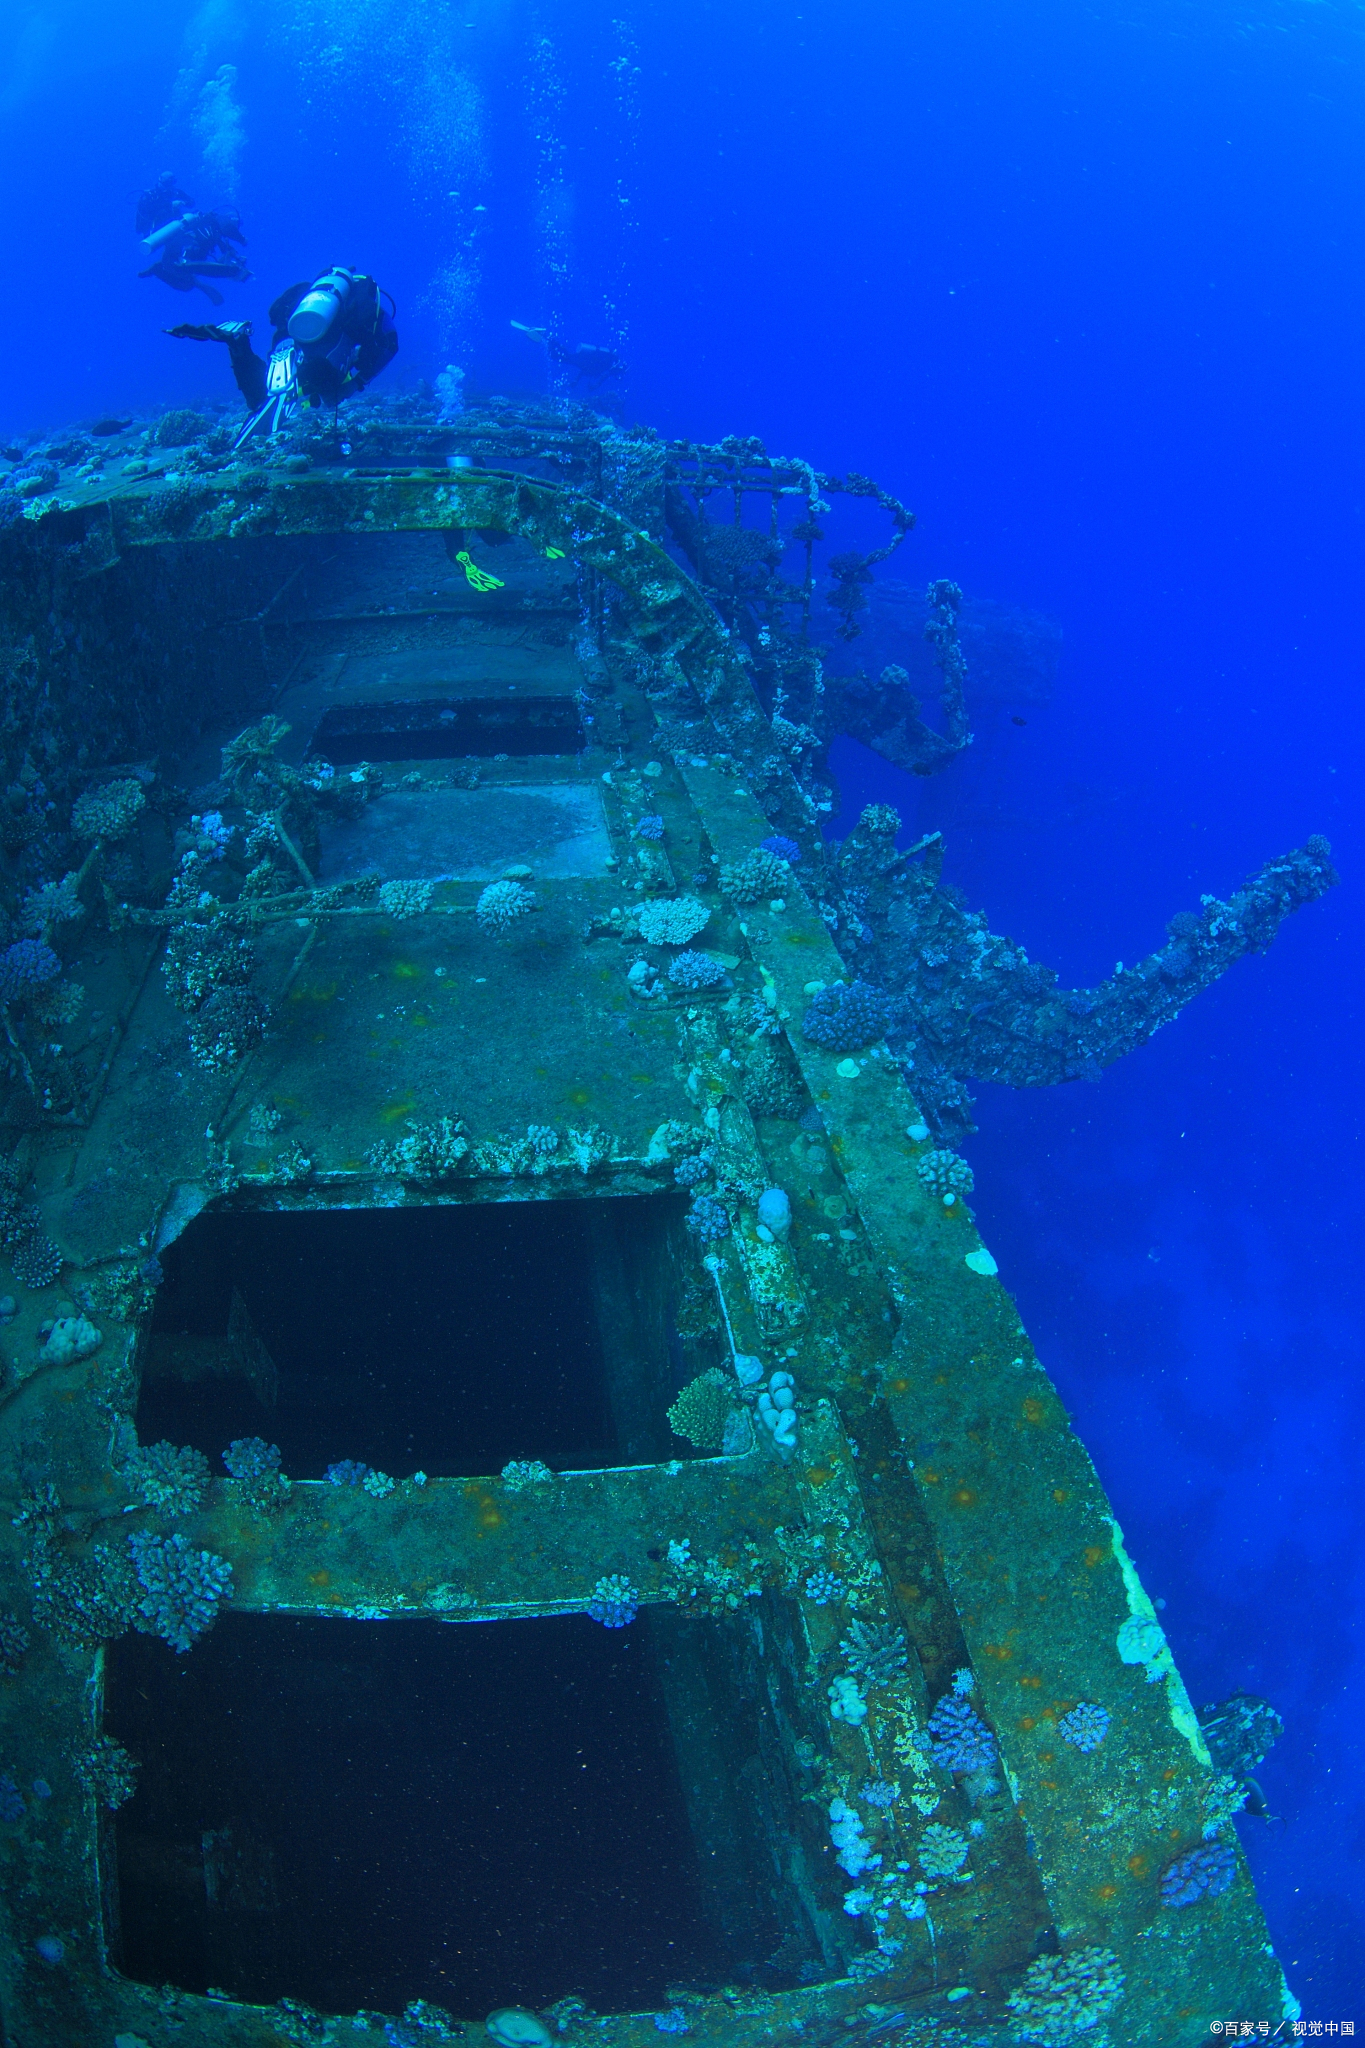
1084	284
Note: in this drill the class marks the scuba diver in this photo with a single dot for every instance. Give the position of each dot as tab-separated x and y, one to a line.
162	202
189	246
587	359
330	339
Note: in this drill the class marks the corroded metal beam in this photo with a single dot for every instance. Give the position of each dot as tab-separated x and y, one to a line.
480	1550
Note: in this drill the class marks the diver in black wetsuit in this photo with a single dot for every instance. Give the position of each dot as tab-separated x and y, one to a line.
329	340
588	360
189	246
195	246
162	202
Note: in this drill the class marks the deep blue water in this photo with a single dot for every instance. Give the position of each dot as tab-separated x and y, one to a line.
1083	284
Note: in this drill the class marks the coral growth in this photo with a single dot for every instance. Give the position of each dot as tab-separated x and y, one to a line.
959	1738
200	958
53	904
36	1261
181	1588
255	1465
503	905
846	1018
1203	1873
518	1474
672	921
614	1601
942	1851
703	1408
1063	1998
853	1851
171	1480
1085	1727
346	1472
105	1770
874	1652
944	1173
410	899
759	874
707	1219
26	967
230	1025
691	970
431	1151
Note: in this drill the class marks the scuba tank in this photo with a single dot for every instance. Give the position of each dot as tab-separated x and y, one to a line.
321	305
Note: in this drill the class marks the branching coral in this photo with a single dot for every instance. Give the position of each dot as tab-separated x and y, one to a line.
26	967
109	812
672	921
707	1219
518	1474
1085	1727
431	1151
691	970
503	905
410	899
255	1465
703	1408
171	1480
846	1018
874	1651
942	1851
960	1739
181	1588
53	904
759	874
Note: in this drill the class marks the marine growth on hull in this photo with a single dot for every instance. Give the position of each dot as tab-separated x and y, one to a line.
531	1512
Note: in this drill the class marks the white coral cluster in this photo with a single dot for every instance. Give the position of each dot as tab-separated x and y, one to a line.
108	812
405	899
672	921
502	905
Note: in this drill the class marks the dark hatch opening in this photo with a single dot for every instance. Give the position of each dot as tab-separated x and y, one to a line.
445	728
361	1813
447	1339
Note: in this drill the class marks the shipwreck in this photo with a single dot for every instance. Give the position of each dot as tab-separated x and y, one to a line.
508	1425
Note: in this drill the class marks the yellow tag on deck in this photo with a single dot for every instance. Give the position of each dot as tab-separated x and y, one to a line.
555	554
479	579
